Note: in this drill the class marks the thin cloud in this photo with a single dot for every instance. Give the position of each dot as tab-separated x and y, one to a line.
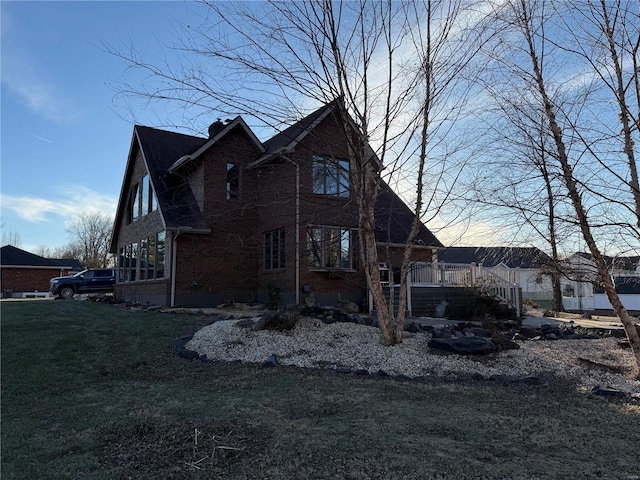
25	80
72	201
39	137
26	84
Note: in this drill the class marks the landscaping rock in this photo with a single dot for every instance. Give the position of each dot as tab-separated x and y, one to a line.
245	323
464	345
607	391
442	332
504	342
477	332
528	332
413	327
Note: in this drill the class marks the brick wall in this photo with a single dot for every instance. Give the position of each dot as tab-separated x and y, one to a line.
28	279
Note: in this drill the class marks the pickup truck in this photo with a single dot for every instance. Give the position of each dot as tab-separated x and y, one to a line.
98	280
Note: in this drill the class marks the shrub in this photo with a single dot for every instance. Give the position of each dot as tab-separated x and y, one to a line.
279	321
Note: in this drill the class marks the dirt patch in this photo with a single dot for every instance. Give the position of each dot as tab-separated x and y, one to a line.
165	450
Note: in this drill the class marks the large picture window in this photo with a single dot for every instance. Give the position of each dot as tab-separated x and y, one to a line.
332	248
274	251
330	176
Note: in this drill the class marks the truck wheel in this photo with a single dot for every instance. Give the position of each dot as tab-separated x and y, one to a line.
66	292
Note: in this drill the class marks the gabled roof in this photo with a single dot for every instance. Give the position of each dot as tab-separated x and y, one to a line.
218	130
512	257
287	140
394	220
291	136
11	256
160	150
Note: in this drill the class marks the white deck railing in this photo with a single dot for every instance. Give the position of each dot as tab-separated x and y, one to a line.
500	282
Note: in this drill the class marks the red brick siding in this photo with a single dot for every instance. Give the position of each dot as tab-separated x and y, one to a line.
28	279
156	292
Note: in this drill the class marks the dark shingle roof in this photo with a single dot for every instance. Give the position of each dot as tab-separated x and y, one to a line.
394	219
512	257
73	263
284	139
161	149
13	256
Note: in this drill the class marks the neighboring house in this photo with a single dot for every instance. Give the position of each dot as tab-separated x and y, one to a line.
228	218
25	273
518	265
76	265
581	286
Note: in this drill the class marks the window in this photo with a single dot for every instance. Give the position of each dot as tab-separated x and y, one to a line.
159	253
142	200
330	176
233	181
144	196
133	262
143	260
332	248
121	264
151	257
153	203
274	251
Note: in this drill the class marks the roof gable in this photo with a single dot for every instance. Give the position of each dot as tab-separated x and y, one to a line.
218	132
159	150
291	136
287	140
176	202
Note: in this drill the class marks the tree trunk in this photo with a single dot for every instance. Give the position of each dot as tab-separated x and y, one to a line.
574	195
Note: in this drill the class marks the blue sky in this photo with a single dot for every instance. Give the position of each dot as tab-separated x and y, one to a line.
64	143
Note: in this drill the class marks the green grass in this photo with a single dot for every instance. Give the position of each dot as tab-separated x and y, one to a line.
91	391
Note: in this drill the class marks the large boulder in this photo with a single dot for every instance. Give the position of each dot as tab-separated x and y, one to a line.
464	345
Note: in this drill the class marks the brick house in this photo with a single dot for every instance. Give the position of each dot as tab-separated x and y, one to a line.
26	272
228	218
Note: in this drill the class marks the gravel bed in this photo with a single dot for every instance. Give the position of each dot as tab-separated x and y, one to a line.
313	344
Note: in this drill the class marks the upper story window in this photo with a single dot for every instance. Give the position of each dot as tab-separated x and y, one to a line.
332	248
142	200
330	176
233	181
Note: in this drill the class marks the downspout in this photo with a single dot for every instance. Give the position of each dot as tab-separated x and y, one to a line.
174	263
297	228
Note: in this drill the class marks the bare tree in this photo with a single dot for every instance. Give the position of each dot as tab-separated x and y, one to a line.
90	235
606	38
529	22
11	238
393	70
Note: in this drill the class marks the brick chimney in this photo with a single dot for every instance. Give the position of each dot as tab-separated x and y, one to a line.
215	128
